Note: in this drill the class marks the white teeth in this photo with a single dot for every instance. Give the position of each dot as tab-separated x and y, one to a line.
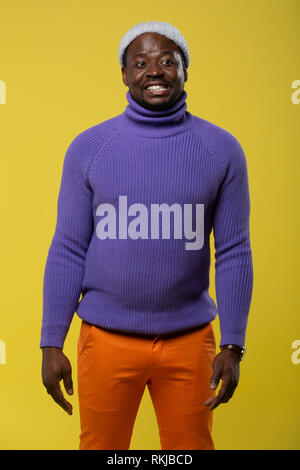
156	87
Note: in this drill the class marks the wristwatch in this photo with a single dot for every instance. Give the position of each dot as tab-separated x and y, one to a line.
237	349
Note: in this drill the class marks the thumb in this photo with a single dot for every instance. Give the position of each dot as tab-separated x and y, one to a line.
215	377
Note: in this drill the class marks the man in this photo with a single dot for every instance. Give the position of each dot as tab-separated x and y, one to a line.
145	308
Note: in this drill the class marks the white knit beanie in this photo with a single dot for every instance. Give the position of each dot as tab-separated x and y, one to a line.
159	27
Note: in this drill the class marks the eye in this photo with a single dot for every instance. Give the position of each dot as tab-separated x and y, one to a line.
142	62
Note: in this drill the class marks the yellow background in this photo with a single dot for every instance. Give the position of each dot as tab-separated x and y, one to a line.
59	61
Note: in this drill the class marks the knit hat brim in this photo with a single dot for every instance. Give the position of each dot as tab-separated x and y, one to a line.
160	27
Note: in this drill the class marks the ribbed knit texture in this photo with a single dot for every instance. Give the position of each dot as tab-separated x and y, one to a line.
149	284
160	27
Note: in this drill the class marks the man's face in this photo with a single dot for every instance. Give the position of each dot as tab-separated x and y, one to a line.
153	58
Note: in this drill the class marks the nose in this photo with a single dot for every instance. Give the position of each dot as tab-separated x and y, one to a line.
154	69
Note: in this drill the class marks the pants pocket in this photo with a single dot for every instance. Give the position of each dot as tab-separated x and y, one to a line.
209	341
211	336
84	336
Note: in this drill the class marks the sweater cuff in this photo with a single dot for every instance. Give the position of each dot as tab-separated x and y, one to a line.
51	340
233	338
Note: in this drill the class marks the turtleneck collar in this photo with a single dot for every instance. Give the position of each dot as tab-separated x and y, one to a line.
149	123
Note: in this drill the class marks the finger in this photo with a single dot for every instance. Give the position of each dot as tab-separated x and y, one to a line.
230	385
220	398
215	403
208	401
224	395
229	394
58	397
68	383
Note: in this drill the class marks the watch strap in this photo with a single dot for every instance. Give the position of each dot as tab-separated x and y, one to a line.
239	350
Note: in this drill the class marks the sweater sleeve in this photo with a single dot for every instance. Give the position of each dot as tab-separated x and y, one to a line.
65	264
233	255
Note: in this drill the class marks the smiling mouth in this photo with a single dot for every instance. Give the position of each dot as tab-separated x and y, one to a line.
157	90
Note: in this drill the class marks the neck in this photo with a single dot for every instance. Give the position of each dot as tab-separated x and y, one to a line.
156	123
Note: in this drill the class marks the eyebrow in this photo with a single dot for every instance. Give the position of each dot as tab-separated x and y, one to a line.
163	52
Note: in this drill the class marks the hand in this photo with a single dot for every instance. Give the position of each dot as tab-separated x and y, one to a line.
55	367
227	367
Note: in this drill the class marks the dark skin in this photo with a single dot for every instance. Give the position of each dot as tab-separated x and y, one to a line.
152	65
168	67
56	367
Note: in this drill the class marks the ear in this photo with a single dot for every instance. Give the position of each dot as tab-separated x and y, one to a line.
185	74
124	76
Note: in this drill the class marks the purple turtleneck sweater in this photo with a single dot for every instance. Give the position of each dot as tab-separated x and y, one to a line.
139	197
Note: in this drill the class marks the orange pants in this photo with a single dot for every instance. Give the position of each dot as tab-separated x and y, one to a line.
112	371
